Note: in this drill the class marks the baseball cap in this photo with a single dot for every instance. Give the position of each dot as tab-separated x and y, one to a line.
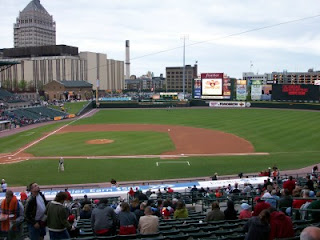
245	206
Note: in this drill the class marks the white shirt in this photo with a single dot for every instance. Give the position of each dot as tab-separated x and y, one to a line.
41	208
4	186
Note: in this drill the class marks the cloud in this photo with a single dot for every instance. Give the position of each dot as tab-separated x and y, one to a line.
155	26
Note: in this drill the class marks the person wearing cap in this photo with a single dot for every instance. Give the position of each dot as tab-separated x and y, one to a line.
260	206
246	211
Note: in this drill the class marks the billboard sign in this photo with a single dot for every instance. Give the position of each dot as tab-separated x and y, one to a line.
306	92
229	104
212	84
241	92
197	88
256	92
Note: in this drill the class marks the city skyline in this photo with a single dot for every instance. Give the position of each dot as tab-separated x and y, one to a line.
103	26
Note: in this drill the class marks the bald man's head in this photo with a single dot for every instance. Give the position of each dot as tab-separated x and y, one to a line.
310	233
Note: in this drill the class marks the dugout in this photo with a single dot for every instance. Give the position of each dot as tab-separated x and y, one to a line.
4	125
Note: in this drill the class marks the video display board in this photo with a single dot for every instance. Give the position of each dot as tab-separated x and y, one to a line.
197	88
212	84
295	92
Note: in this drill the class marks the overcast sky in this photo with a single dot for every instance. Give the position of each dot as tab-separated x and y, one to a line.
155	26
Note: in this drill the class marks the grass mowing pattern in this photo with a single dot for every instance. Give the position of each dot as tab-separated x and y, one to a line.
45	172
268	130
125	143
11	143
292	138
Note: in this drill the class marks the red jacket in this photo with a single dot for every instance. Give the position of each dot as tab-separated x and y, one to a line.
259	207
281	226
290	185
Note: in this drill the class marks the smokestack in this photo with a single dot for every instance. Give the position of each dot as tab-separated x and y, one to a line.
127	59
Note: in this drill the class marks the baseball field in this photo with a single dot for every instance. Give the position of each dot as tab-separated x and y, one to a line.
149	144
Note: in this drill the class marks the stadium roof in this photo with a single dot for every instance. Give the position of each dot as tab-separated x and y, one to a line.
7	64
75	83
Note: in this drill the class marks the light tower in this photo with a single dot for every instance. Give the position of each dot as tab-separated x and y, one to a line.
127	59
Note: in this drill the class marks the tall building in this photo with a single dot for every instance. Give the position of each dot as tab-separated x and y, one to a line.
174	77
41	65
34	27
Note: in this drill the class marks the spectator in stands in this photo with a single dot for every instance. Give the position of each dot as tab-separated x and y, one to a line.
11	213
297	203
316	206
194	188
280	224
246	189
215	214
127	220
142	196
235	190
290	184
69	195
34	212
260	206
285	201
310	233
309	183
148	223
166	210
181	210
85	201
4	185
131	193
153	196
103	219
85	212
271	198
246	211
134	205
230	213
140	212
258	226
23	197
57	218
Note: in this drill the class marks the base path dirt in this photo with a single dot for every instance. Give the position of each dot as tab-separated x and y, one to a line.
187	140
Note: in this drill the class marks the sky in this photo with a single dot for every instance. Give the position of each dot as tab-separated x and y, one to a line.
156	30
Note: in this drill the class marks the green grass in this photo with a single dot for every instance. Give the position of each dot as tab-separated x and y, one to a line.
125	143
45	172
72	107
292	138
13	142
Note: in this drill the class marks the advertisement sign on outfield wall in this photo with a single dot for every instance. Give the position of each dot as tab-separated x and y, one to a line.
229	104
256	92
241	92
197	88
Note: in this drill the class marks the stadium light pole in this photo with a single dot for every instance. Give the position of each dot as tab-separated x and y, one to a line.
184	37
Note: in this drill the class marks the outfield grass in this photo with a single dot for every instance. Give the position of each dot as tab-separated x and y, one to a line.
72	107
291	137
125	143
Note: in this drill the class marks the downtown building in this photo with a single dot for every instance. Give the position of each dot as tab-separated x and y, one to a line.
34	26
41	65
174	76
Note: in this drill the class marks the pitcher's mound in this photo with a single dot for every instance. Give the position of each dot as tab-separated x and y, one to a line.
99	141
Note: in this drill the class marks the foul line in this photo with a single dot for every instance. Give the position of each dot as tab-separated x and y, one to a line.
44	137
